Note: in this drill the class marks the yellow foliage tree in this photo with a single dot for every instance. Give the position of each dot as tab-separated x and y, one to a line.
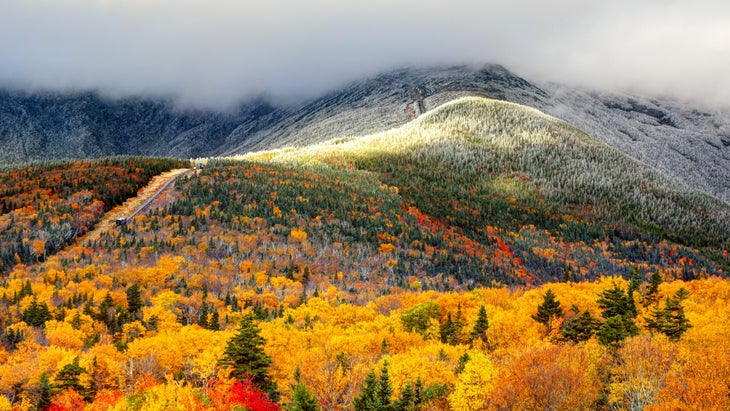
471	392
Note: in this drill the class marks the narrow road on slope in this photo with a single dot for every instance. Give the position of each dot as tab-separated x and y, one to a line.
134	205
416	107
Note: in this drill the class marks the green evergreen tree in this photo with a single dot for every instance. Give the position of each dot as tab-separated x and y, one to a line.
481	326
107	312
580	328
635	281
407	399
613	331
134	298
681	294
418	392
613	302
458	325
461	363
548	309
670	320
567	275
214	321
652	290
76	321
68	377
36	314
203	317
447	330
617	311
303	400
44	393
385	391
245	355
368	399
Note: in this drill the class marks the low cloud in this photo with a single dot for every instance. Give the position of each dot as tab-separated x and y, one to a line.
215	53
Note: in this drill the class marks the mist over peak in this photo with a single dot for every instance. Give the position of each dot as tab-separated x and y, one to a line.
216	54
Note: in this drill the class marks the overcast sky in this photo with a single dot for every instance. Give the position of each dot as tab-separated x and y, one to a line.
216	52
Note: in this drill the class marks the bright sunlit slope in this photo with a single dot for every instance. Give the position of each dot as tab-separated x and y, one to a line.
477	163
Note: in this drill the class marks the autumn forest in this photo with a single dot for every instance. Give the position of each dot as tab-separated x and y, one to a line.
482	257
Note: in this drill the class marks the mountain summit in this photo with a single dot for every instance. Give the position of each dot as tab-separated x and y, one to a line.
687	143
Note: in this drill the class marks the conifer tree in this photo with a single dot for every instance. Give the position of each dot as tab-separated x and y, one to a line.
384	388
447	331
461	363
581	327
670	320
458	325
368	399
203	317
615	330
303	400
36	314
635	280
214	321
652	290
44	393
481	326
613	302
68	377
549	309
134	298
407	399
247	359
619	315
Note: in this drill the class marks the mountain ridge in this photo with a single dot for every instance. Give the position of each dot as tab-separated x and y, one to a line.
686	143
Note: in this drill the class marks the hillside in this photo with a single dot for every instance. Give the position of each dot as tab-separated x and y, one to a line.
425	254
684	142
527	169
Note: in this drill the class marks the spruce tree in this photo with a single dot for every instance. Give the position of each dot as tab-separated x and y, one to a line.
247	359
68	377
617	311
214	321
652	290
303	400
635	280
681	294
36	314
203	317
44	393
447	331
549	308
134	298
458	325
461	363
614	302
368	399
615	330
407	399
580	328
481	326
670	320
384	388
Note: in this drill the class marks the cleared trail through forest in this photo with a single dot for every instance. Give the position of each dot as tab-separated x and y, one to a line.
134	205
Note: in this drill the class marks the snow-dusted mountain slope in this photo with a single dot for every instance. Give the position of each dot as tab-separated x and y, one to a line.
685	142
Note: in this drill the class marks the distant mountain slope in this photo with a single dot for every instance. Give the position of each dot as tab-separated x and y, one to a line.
85	125
468	160
686	143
